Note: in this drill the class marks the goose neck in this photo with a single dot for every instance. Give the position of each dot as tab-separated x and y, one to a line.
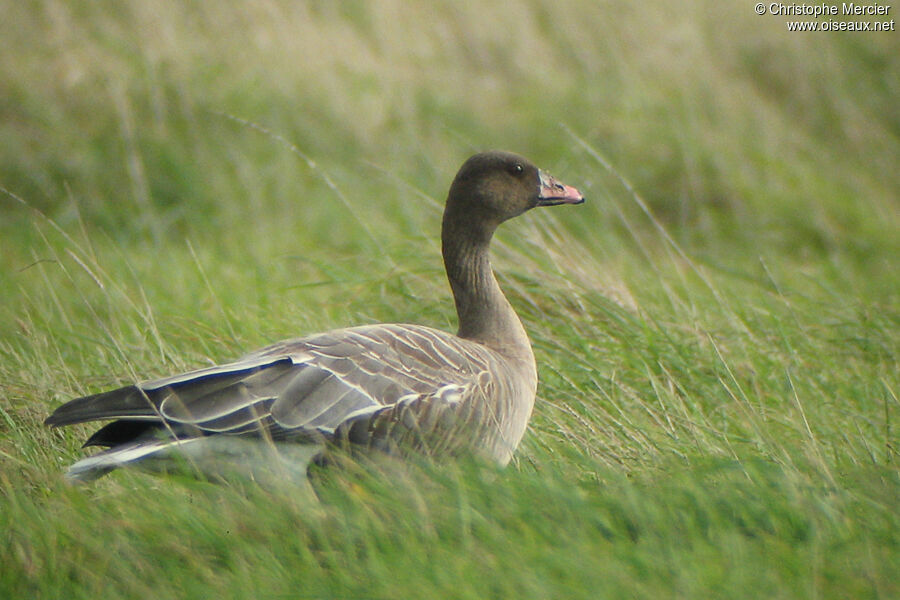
485	315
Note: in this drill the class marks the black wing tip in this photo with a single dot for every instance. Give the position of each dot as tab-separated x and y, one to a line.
70	413
65	415
105	405
60	419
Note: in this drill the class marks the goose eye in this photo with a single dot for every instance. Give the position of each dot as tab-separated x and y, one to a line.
518	169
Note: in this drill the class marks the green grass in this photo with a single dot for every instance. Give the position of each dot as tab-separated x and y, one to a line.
717	329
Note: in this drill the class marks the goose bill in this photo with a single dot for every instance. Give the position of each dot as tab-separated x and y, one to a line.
554	192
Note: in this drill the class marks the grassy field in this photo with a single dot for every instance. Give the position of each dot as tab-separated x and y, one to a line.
716	330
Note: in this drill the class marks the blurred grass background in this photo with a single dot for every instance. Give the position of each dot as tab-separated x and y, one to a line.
716	329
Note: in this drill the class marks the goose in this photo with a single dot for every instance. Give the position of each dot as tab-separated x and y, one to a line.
393	387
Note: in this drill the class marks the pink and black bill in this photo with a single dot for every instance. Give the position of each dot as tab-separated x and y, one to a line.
554	192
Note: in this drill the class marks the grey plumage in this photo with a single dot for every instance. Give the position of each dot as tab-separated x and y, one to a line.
387	387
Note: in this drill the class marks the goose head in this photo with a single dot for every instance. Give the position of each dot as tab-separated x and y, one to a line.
492	187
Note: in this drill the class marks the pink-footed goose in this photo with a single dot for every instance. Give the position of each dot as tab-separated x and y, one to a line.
374	386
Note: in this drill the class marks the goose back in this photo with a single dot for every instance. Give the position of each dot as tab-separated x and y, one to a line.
383	386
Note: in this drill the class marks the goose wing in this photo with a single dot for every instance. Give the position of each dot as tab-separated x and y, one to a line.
298	388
